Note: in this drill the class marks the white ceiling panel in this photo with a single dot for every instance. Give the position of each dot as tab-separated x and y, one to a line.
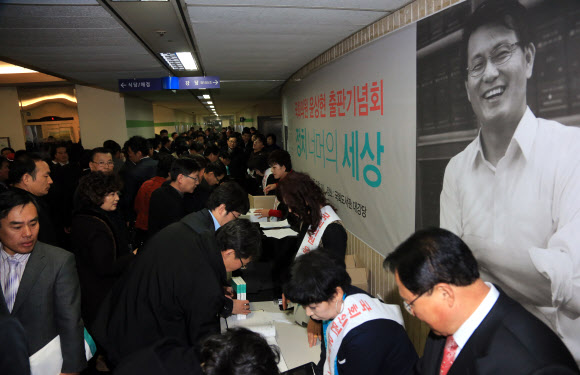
269	43
335	4
255	45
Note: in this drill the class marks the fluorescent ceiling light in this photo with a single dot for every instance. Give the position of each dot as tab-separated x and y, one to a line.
209	102
180	60
187	60
206	96
211	106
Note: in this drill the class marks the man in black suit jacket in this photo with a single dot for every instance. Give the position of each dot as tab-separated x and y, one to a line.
213	174
174	293
46	300
166	205
238	159
475	327
145	168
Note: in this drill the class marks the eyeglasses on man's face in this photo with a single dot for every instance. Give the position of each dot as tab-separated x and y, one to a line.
196	179
409	306
498	56
103	163
243	267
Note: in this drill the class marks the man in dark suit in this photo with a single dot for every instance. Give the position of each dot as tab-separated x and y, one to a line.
174	288
212	176
475	327
237	165
166	205
39	283
32	174
145	168
226	203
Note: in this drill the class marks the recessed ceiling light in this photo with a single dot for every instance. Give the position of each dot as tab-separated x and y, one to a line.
180	60
206	96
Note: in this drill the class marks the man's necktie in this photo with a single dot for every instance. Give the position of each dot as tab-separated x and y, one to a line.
12	284
448	355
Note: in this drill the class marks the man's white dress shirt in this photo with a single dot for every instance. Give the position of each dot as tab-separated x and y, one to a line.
522	219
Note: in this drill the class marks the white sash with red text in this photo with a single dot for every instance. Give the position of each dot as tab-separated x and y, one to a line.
311	242
358	309
267	174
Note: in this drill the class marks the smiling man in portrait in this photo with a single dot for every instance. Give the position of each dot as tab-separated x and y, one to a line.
511	195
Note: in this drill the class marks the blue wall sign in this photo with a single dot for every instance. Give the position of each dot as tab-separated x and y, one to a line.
140	84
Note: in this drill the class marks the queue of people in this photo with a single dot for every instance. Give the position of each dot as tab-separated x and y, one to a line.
145	280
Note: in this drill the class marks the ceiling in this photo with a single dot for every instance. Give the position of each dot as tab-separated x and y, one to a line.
252	45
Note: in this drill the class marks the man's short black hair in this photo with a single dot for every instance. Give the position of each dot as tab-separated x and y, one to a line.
260	163
197	147
164	165
271	135
225	155
232	195
56	147
280	157
217	167
21	166
242	236
432	256
507	13
163	131
165	141
201	160
113	146
99	150
155	142
174	133
213	149
315	276
184	166
239	351
138	143
7	149
13	198
261	138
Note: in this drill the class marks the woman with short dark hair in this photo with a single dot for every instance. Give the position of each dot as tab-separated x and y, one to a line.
99	240
362	335
319	225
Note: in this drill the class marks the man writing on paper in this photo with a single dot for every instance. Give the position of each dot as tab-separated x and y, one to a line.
174	288
39	283
512	194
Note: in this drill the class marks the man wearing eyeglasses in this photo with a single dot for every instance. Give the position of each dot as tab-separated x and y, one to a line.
475	327
512	194
174	288
166	204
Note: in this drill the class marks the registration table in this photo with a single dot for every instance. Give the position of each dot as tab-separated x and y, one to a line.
290	337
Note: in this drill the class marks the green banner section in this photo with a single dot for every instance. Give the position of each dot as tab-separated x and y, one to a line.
139	124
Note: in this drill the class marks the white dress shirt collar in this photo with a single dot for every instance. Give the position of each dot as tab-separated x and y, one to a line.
523	137
462	335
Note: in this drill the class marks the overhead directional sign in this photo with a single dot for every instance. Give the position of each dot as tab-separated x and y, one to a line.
169	83
140	84
208	82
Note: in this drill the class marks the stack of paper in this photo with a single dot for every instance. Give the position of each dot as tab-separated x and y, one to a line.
239	286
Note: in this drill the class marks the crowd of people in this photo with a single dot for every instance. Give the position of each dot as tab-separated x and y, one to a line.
83	230
150	241
124	252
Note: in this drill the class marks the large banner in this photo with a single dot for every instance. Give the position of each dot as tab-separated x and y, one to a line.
352	128
498	149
